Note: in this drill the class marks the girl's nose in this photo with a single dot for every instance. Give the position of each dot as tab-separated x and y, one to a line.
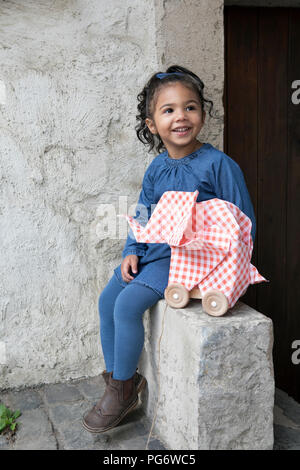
180	114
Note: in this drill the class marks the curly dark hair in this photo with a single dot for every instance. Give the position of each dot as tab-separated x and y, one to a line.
148	97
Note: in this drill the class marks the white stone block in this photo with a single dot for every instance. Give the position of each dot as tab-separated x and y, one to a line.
216	381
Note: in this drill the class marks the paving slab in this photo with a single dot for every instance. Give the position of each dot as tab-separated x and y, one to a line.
35	431
25	399
64	413
92	388
61	393
286	422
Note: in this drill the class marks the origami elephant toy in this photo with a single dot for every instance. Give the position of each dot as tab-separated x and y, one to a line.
211	249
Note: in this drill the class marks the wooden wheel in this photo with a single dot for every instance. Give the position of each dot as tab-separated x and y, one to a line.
176	295
215	303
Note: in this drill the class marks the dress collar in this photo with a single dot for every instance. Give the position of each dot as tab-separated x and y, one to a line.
184	160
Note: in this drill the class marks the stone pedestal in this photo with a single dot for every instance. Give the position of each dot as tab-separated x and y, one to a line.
215	383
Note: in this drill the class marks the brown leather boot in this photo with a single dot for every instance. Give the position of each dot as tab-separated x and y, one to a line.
120	397
139	379
106	376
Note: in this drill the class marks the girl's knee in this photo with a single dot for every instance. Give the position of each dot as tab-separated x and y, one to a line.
125	308
133	301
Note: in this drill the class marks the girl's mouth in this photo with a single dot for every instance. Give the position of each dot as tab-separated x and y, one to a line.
181	131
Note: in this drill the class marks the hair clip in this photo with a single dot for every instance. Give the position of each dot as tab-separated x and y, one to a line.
163	75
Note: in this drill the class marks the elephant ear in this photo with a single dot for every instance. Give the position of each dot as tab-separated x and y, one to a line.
168	220
255	277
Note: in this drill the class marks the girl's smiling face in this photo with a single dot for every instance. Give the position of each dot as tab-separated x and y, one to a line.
178	119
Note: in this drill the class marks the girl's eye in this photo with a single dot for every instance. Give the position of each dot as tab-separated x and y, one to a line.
170	109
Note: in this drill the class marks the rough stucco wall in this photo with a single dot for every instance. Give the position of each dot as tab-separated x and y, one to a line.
191	33
71	72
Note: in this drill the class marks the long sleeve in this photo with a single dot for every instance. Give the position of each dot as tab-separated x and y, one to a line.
142	215
230	186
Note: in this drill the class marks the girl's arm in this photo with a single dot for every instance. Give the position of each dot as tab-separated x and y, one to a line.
230	186
142	215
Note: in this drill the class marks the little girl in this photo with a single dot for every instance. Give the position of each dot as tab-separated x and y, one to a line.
171	115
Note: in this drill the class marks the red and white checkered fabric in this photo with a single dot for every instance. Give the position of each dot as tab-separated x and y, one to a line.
211	244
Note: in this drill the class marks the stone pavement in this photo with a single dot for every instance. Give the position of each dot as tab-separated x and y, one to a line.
51	419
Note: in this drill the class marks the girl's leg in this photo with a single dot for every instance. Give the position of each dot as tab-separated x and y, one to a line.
130	306
121	394
106	306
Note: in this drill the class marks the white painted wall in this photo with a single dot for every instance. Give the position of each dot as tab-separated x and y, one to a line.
70	73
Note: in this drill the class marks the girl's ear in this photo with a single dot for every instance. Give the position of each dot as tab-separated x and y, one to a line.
151	126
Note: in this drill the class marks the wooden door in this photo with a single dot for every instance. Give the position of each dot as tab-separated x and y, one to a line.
262	133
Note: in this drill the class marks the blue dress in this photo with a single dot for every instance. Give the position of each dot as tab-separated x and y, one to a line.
208	170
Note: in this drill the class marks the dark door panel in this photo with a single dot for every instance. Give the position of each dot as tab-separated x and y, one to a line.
262	133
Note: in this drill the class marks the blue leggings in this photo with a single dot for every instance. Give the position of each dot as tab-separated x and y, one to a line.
122	332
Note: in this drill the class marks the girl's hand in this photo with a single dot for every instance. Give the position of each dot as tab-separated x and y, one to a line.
130	261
